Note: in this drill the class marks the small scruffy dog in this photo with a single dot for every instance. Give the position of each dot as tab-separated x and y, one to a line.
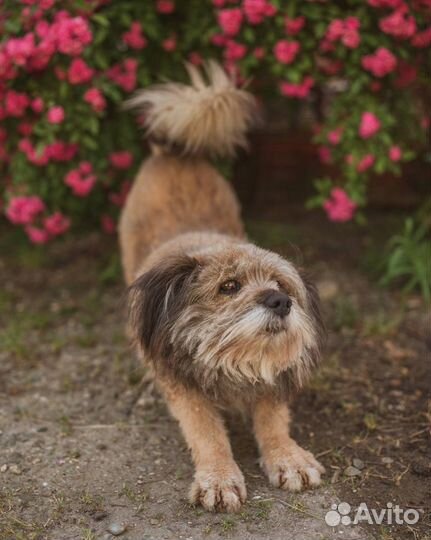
224	325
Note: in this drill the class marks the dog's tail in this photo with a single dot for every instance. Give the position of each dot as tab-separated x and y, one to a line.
210	116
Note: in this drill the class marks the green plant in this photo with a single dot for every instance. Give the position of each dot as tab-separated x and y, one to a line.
409	258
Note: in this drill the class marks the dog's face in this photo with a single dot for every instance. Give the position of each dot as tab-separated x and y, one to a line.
239	311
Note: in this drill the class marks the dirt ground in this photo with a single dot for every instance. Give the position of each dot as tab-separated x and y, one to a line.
86	446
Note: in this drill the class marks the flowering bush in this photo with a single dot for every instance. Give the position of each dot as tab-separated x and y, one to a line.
68	153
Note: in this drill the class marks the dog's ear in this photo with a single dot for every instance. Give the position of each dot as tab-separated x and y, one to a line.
315	314
157	298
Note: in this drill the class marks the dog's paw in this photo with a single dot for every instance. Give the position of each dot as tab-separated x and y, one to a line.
293	468
219	490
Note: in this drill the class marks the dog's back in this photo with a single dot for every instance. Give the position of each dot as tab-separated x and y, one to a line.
176	190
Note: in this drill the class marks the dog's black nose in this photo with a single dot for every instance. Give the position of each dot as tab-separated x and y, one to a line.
278	302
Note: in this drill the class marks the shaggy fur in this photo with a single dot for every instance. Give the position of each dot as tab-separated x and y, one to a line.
197	297
202	118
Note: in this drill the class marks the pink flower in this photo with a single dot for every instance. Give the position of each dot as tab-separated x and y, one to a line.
294	26
351	39
334	137
345	30
329	66
61	151
195	58
385	3
56	224
79	72
219	40
134	37
16	103
425	122
60	73
95	98
286	51
369	126
55	115
39	158
20	49
399	24
120	198
121	160
108	224
259	53
335	30
422	39
230	21
407	74
257	10
37	105
380	63
234	51
170	44
366	162
85	167
339	207
300	90
81	185
324	154
395	153
165	6
25	128
23	210
124	74
352	23
72	33
7	68
36	235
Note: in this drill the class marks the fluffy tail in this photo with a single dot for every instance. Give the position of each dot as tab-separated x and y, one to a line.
206	117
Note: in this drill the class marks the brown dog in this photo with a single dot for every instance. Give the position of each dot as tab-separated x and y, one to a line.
224	324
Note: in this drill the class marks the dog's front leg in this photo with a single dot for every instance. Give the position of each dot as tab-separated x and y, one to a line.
218	483
287	465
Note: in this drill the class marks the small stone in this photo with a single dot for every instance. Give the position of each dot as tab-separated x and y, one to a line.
4	468
387	460
358	463
98	516
421	467
146	402
154	521
351	471
117	528
14	469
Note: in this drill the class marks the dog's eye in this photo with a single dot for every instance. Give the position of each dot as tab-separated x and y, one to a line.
230	287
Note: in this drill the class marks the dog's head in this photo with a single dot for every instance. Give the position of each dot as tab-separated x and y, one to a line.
240	311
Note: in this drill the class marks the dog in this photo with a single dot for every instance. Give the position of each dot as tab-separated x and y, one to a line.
223	324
